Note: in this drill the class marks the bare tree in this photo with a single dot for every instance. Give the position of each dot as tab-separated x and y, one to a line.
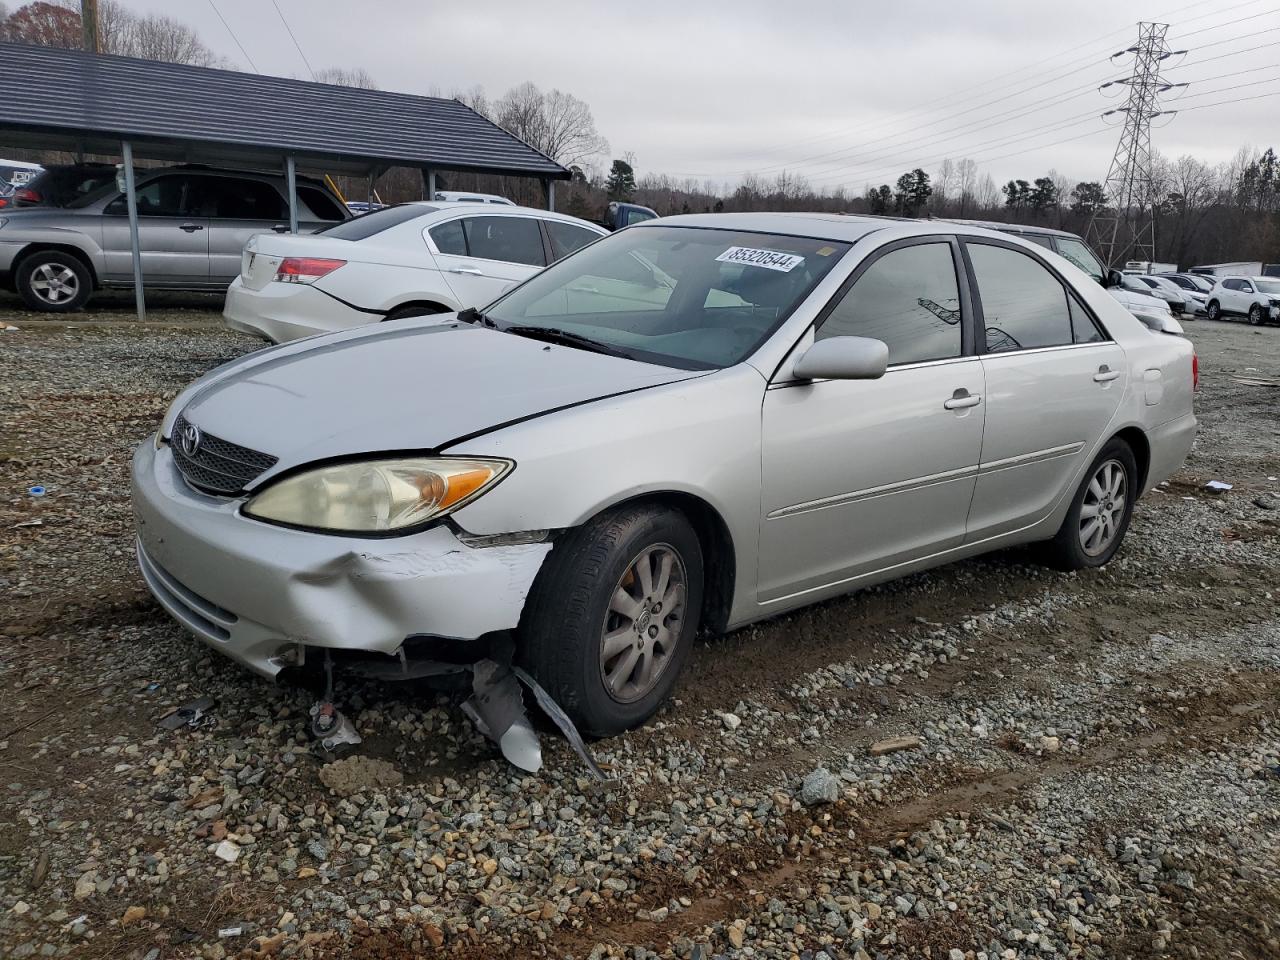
347	77
557	123
966	183
157	37
474	98
944	184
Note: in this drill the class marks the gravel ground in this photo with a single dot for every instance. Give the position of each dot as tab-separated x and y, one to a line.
991	760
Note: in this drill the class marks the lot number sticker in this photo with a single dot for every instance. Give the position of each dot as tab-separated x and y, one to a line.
769	259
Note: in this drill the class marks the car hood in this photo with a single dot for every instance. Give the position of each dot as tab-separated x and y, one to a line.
405	385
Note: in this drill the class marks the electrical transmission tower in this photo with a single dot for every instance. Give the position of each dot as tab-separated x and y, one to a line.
1126	222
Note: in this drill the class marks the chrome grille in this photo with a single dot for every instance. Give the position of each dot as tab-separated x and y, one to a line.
218	466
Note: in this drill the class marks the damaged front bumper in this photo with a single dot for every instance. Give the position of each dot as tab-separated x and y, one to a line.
255	591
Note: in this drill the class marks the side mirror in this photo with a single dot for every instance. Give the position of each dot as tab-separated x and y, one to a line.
1113	278
843	358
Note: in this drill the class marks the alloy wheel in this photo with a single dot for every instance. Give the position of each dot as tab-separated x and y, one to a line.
1255	315
1103	508
643	623
54	283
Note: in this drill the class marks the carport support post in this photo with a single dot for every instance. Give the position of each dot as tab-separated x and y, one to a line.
550	186
429	178
131	203
291	179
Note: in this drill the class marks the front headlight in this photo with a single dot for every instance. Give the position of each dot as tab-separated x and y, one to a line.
377	495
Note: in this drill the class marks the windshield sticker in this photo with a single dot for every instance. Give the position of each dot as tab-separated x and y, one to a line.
769	259
825	251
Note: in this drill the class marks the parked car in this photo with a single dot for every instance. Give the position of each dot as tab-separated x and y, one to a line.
193	224
1170	293
62	185
358	207
464	196
619	215
402	261
1190	281
17	173
1194	300
1256	298
603	462
1150	309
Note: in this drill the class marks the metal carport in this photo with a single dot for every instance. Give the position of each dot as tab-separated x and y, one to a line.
86	103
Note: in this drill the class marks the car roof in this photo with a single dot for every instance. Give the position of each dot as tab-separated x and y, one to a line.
1002	227
452	207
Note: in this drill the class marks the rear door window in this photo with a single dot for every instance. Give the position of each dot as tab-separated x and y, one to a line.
233	198
1024	306
510	239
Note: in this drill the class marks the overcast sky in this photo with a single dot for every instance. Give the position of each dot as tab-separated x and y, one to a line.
841	92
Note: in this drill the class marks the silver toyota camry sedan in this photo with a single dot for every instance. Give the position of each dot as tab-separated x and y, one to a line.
691	424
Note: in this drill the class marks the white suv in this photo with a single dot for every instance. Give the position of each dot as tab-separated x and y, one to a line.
1257	298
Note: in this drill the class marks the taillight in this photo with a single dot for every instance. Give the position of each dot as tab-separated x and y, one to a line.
26	195
1195	372
305	269
4	202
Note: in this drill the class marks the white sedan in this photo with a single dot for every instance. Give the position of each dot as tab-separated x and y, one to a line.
408	260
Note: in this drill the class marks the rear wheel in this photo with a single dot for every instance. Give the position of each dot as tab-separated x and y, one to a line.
1255	315
612	616
1213	311
53	281
1100	511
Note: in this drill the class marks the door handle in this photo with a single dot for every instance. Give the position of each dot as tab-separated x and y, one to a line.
473	271
1105	374
280	228
191	227
961	399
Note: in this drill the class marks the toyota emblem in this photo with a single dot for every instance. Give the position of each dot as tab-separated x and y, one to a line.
190	439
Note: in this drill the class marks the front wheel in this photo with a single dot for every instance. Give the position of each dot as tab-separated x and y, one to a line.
1255	315
612	616
1100	511
53	281
1213	311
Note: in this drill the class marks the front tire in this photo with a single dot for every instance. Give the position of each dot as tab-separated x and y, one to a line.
1100	512
1213	311
53	281
1255	315
612	616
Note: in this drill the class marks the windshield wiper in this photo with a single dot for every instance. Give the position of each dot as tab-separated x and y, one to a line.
472	315
565	338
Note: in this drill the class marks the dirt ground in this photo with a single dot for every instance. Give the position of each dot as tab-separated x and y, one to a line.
1097	771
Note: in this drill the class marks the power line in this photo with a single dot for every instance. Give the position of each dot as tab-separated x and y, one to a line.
252	65
1223	103
297	46
1227	23
1223	56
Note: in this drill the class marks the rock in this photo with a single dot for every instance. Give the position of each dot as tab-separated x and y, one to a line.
434	935
737	935
133	915
1266	503
820	786
227	851
318	849
731	720
1050	744
894	745
21	907
86	886
354	774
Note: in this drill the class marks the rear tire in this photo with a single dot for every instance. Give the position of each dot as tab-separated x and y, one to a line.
53	281
1100	511
612	616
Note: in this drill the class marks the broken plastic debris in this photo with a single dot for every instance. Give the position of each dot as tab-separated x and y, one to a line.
10	328
331	727
28	523
1217	486
195	715
225	932
36	491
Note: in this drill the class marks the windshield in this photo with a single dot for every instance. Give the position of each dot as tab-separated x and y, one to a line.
688	297
1271	287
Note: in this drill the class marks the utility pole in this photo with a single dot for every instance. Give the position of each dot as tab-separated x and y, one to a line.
89	25
1126	223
